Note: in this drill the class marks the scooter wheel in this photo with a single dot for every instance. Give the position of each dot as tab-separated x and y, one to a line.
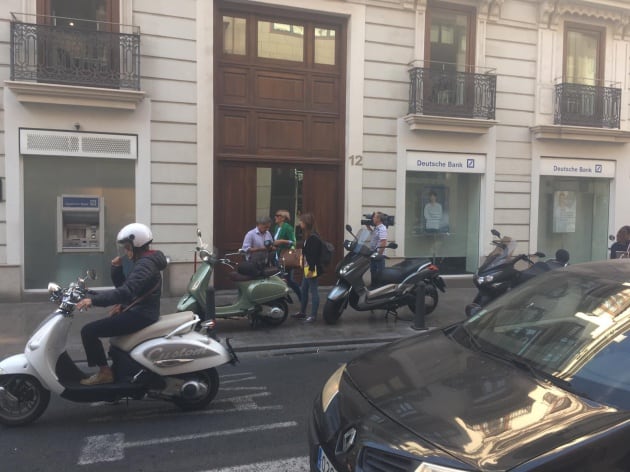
431	298
23	401
333	310
210	379
274	313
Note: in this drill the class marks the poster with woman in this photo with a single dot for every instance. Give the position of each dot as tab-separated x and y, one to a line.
434	209
564	211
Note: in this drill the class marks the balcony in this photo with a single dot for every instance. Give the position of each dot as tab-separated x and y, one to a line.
587	105
442	90
97	54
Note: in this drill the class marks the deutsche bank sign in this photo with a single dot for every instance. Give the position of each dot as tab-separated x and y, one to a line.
446	162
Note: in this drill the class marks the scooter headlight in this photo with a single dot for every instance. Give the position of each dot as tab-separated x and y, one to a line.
345	269
205	255
485	279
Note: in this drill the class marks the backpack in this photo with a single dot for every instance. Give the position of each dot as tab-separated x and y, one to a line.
326	252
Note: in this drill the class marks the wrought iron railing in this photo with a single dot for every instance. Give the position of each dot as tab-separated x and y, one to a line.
587	105
95	56
439	89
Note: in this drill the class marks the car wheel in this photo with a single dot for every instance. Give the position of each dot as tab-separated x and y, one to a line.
24	399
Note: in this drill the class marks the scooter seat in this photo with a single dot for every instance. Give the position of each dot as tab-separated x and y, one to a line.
397	272
164	325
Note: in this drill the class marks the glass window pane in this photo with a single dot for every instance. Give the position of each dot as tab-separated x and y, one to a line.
279	188
281	41
449	37
573	215
582	57
234	35
442	213
325	46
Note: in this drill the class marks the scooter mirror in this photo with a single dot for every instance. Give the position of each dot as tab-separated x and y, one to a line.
91	274
611	237
539	254
198	233
392	245
53	288
495	233
349	228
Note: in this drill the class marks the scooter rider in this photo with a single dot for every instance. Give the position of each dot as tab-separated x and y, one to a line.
138	294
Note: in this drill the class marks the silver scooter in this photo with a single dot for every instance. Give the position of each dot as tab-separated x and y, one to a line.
167	360
396	286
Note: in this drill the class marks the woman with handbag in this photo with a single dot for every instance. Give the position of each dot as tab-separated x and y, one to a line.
138	295
312	267
284	242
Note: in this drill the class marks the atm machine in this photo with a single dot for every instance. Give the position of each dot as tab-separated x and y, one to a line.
80	225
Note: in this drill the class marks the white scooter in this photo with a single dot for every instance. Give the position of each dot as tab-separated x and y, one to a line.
168	360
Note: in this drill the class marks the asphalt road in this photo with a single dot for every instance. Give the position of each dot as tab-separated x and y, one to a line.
258	422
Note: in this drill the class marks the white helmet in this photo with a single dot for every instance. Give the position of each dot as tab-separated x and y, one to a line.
135	233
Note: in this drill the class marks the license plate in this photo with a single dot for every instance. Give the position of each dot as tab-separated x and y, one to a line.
323	463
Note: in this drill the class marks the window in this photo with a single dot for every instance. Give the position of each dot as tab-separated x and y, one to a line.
442	213
234	34
281	41
583	56
450	38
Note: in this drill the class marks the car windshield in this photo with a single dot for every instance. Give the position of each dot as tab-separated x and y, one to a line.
570	326
364	238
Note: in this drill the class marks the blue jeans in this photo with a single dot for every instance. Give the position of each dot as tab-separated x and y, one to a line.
310	286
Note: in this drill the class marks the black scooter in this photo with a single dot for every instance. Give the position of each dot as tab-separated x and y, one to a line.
396	285
498	273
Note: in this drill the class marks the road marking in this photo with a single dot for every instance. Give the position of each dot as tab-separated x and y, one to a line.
241	403
294	464
111	447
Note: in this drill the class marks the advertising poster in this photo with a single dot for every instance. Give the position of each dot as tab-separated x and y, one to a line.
564	211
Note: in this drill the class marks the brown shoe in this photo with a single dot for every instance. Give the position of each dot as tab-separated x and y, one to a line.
99	378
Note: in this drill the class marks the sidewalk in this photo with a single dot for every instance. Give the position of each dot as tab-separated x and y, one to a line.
18	320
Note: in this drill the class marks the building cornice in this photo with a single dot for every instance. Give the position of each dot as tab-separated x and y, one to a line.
615	12
71	95
490	9
580	133
448	124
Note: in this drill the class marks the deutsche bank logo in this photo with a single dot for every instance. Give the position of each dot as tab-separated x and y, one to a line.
470	163
598	168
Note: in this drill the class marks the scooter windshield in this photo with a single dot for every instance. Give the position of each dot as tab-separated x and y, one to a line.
501	253
364	238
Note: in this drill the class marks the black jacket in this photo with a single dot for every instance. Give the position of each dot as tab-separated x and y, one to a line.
311	252
618	247
144	277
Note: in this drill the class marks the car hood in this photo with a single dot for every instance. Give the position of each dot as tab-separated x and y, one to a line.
481	410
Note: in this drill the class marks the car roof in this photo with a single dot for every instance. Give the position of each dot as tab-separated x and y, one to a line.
617	270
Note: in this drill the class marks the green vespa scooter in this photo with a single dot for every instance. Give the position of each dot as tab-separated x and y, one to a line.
262	298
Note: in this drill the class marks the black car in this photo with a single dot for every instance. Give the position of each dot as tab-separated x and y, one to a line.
538	380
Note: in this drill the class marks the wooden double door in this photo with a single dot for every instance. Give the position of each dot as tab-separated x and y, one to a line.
279	121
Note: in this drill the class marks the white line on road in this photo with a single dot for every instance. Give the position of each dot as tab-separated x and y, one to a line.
111	447
294	464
